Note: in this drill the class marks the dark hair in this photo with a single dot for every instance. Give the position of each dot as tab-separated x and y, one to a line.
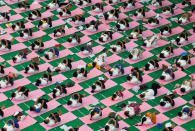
32	108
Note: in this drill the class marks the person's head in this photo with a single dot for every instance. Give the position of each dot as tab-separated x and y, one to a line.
32	108
13	95
4	129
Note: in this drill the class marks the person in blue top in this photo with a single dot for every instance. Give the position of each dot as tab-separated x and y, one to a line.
14	121
168	72
87	49
118	69
52	52
96	113
12	124
23	54
40	104
183	60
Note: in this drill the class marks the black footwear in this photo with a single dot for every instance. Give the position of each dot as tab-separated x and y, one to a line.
41	51
48	70
70	84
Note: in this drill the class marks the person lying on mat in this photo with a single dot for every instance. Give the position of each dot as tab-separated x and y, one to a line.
12	124
40	105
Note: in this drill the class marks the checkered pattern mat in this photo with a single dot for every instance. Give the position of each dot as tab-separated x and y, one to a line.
80	116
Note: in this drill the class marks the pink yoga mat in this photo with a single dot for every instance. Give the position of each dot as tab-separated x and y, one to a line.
23	81
29	57
84	39
175	31
1	59
190	51
191	31
115	36
161	91
147	33
27	25
56	78
131	44
92	3
128	85
176	52
101	28
42	67
145	55
126	69
64	119
180	5
109	102
121	16
3	8
50	43
34	35
32	95
93	73
32	7
13	18
133	24
44	15
190	40
161	118
85	127
58	22
26	122
122	124
6	36
106	9
51	105
70	31
192	19
65	52
109	84
11	110
159	43
71	90
192	62
179	128
178	102
77	63
15	47
150	14
145	127
176	12
12	2
137	5
3	97
161	23
113	58
95	51
145	106
51	59
114	3
76	11
86	101
160	67
164	3
178	74
181	121
180	93
105	113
